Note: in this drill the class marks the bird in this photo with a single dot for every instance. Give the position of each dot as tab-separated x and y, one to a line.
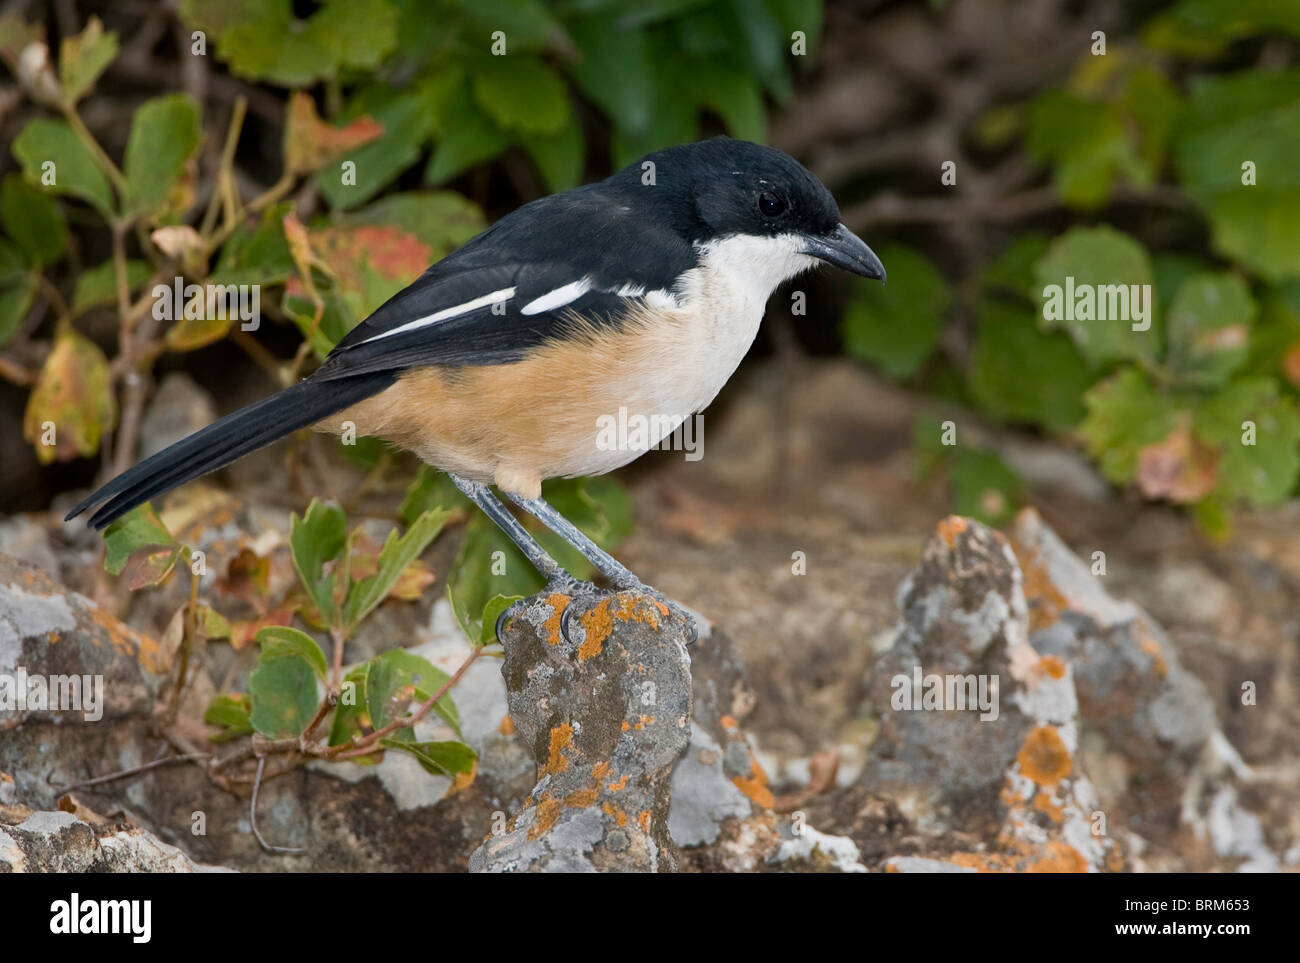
643	291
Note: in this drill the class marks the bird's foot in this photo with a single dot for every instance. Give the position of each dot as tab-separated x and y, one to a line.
580	591
692	627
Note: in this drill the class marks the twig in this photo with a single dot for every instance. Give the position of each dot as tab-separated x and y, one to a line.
365	746
135	770
252	815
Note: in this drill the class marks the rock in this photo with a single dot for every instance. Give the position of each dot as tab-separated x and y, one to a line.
37	841
179	408
606	713
974	721
64	659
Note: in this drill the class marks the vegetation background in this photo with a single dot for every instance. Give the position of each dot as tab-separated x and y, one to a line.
328	152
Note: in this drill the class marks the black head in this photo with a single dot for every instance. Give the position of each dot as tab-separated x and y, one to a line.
723	187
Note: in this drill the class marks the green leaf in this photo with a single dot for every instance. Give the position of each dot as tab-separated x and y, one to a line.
491	612
1231	120
315	540
466	136
984	486
1260	466
74	392
441	220
1022	373
897	326
407	119
448	759
487	565
257	256
1209	327
231	713
286	642
84	57
559	157
352	720
284	696
262	40
521	94
1125	414
1012	271
165	132
1089	272
398	682
76	172
137	529
33	220
97	286
735	97
17	287
394	558
527	23
617	70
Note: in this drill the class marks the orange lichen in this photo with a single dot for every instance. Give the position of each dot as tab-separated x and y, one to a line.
617	786
507	727
616	814
599	771
1152	648
755	785
950	527
548	811
643	820
1044	758
561	738
558	603
626	725
1043	803
1046	601
643	722
598	623
1052	666
581	798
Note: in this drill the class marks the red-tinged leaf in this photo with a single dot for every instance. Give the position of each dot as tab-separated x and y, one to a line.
242	633
309	142
1181	468
72	405
150	567
248	577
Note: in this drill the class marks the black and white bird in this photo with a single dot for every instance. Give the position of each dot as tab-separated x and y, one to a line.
642	292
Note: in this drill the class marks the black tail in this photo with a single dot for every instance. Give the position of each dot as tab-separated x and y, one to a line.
232	437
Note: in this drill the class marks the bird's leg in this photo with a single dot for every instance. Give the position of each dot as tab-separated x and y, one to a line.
557	579
606	564
481	495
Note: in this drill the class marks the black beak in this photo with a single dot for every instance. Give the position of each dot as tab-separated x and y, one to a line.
846	250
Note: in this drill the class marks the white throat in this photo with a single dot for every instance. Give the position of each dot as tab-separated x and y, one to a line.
755	265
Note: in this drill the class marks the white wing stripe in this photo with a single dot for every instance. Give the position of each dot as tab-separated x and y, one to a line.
505	294
558	298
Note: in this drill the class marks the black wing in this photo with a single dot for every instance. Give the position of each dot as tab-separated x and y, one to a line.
480	305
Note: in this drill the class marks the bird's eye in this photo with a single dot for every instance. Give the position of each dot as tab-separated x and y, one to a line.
770	204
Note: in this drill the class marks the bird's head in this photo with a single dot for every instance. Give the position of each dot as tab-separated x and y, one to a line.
759	200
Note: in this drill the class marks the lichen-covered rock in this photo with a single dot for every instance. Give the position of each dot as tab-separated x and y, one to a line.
64	659
55	841
974	720
606	713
